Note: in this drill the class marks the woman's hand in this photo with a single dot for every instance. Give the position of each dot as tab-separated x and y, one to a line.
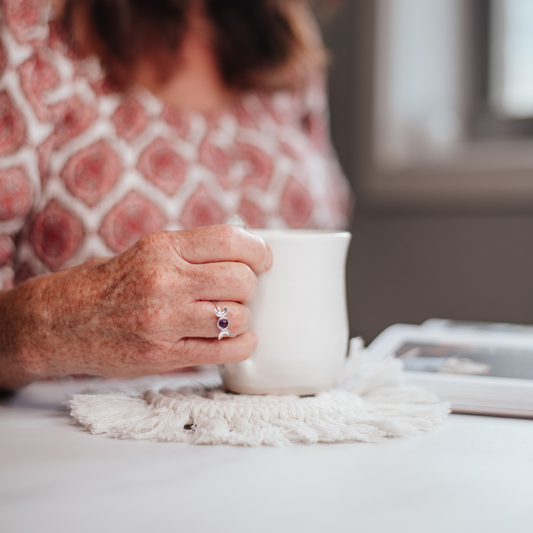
146	311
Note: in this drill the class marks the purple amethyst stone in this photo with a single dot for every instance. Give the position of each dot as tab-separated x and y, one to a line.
223	323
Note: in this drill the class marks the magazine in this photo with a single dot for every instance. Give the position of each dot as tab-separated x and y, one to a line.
480	368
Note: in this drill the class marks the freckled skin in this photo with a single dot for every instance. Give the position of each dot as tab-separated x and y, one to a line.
145	311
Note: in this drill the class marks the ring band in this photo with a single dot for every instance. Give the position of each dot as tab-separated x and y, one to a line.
222	322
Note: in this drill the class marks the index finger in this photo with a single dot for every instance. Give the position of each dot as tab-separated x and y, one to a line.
216	244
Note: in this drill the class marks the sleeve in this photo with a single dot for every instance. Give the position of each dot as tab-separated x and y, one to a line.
22	129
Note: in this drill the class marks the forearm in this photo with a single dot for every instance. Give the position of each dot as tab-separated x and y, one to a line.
18	310
37	319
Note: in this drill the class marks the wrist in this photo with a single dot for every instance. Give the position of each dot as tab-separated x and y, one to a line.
21	360
33	335
45	324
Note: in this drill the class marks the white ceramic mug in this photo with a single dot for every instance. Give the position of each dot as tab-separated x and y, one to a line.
299	314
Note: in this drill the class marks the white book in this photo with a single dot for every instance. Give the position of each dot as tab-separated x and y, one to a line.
479	368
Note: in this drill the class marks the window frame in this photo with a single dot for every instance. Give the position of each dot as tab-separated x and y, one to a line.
487	173
485	122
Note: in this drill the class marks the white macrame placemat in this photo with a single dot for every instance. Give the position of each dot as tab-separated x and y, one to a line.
369	408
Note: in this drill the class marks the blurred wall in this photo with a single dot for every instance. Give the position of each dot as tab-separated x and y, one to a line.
410	267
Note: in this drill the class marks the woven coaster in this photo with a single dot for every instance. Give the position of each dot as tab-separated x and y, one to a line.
376	407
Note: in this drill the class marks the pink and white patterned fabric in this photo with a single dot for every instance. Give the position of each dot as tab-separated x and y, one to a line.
86	172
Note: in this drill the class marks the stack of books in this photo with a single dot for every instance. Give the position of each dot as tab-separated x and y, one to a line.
480	368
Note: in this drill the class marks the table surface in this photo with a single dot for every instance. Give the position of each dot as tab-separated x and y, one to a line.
474	474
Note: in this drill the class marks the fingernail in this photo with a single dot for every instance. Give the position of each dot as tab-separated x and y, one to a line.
270	259
255	340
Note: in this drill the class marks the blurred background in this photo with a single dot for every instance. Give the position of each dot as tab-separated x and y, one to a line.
432	118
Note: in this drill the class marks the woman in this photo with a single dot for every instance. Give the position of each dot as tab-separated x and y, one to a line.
206	109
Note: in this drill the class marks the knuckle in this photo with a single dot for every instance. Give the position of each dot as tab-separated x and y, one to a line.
150	265
262	250
216	352
182	240
153	354
246	282
241	280
192	281
186	354
241	319
154	243
147	243
241	352
158	356
159	353
189	354
229	239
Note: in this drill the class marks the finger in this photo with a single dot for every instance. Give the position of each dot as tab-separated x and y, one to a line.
193	351
204	320
216	244
232	282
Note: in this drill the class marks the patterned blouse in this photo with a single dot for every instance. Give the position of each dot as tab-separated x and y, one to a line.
86	172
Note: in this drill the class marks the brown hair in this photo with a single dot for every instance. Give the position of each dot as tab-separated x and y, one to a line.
259	44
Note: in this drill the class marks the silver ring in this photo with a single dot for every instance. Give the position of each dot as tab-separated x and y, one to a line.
222	322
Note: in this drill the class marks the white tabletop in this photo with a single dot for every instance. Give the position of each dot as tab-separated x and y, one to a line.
475	474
